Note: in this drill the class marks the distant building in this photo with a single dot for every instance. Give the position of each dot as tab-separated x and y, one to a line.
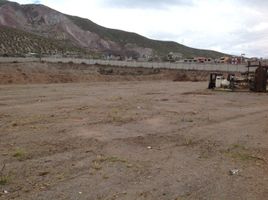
224	60
190	60
174	56
198	60
203	60
31	54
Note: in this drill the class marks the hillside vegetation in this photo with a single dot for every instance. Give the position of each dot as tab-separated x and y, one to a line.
2	2
15	42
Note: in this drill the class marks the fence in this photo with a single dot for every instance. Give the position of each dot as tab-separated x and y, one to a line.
162	65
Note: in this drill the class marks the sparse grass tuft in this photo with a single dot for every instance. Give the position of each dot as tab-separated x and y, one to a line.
100	159
187	120
244	156
105	177
115	98
115	159
240	152
117	116
60	176
188	142
20	154
238	146
4	180
96	165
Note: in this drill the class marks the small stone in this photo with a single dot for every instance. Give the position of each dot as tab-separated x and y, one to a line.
233	172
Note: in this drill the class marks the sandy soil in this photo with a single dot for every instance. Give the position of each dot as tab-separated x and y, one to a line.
132	140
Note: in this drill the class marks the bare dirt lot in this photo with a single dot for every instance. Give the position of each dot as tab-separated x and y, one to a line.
132	140
35	72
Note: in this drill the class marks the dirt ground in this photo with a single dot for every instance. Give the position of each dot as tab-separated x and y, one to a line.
132	141
36	73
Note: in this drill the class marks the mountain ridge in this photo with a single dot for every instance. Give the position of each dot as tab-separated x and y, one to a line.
84	34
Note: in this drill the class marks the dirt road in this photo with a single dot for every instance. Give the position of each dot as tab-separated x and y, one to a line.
132	140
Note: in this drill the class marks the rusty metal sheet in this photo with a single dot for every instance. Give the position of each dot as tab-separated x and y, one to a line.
260	79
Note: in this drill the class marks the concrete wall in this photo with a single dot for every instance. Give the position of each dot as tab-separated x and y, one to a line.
11	59
183	66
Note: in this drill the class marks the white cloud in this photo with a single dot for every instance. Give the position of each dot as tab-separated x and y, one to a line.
145	4
231	26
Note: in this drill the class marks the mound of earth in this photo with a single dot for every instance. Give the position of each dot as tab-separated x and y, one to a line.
25	73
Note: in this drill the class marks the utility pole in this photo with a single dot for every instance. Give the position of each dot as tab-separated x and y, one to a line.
242	56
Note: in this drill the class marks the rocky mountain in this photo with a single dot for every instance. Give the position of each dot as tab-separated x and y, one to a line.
83	34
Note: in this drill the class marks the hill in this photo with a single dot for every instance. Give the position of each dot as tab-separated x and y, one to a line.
15	42
57	28
127	38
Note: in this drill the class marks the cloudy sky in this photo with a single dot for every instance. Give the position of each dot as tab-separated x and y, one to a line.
231	26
